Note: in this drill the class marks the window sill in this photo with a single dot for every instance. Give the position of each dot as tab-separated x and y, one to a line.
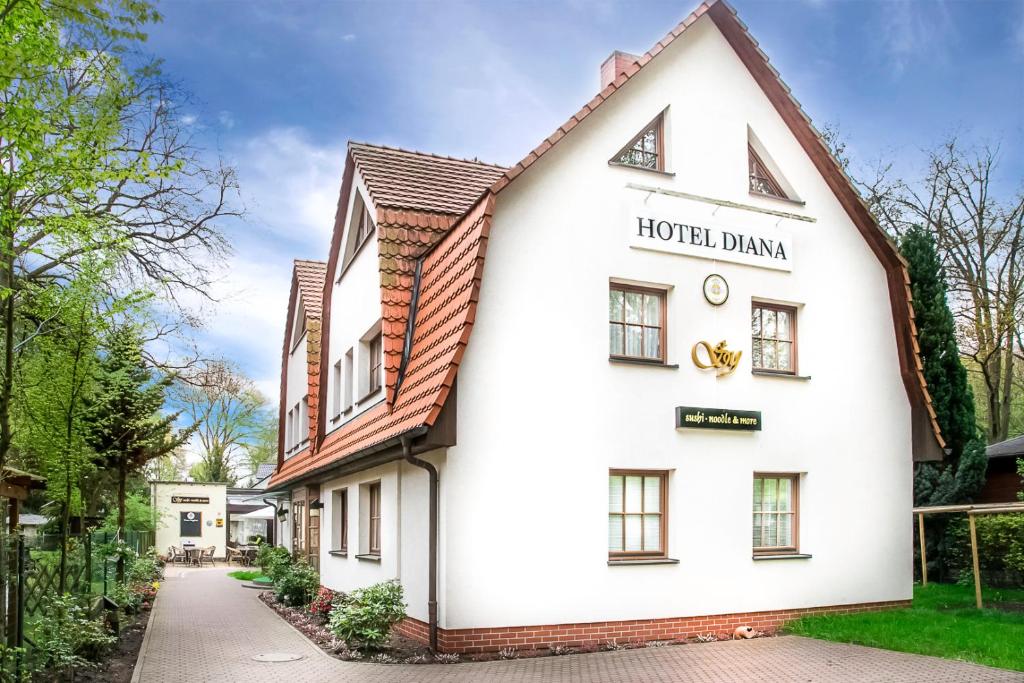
782	375
338	553
368	395
796	202
342	414
782	556
640	361
368	558
641	560
618	164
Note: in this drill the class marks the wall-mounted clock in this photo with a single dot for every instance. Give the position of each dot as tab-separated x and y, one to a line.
716	289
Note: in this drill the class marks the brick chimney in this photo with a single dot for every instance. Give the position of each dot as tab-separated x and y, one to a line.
616	64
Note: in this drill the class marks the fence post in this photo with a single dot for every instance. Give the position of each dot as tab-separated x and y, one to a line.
22	562
87	542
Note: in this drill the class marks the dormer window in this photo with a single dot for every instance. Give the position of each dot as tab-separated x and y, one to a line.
761	181
647	149
365	227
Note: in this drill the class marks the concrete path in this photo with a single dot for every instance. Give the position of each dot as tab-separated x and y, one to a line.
207	627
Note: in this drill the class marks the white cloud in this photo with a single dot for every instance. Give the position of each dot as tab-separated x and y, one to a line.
348	37
226	119
290	187
188	119
912	31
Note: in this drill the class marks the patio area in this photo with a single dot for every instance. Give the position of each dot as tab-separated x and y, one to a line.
206	626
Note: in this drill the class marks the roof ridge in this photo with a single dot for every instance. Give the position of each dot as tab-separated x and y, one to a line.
416	152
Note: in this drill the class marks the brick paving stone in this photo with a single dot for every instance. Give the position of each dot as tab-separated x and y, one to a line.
207	626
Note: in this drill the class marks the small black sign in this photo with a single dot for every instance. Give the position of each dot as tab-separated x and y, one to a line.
194	500
191	524
688	417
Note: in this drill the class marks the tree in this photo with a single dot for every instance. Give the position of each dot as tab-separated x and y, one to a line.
95	161
57	381
961	476
980	242
230	415
262	449
127	428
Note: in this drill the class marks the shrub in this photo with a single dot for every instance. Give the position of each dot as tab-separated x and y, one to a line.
126	597
144	568
365	616
1001	541
274	561
70	639
323	602
297	584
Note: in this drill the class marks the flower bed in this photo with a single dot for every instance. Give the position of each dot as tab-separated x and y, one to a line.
400	650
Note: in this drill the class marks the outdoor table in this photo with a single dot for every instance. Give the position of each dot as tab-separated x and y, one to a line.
249	553
192	553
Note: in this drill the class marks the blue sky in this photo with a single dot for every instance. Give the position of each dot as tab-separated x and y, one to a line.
280	86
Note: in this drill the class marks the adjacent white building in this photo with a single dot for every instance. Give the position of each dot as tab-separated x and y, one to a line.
656	368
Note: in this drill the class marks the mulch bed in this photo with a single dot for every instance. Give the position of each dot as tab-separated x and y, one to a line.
401	650
119	665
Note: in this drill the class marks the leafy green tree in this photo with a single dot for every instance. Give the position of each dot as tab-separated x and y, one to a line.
96	162
230	415
960	477
127	427
57	380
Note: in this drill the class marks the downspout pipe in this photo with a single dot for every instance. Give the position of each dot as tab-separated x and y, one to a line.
409	453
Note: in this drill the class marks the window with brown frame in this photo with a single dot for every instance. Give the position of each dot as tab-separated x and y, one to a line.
374	535
776	513
365	227
375	347
647	149
637	519
761	180
636	323
773	332
339	509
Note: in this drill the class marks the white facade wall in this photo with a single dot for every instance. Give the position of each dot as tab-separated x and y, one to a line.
355	316
543	415
168	514
296	390
404	532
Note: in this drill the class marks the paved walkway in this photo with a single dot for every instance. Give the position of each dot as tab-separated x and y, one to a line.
207	627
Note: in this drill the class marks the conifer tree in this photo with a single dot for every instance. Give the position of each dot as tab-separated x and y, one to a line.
960	477
128	427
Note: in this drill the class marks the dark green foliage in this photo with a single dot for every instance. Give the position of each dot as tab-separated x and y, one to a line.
952	397
960	477
296	585
274	561
365	617
127	426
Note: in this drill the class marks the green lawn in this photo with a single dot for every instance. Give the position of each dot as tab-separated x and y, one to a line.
942	622
248	575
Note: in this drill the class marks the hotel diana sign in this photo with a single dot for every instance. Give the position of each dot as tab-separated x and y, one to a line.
751	246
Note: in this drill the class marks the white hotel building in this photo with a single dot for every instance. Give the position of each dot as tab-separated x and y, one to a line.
661	375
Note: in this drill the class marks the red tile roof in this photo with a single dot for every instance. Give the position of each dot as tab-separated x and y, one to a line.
310	276
401	179
448	294
308	280
426	184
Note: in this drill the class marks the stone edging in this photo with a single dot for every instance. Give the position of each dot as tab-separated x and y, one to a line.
137	672
302	635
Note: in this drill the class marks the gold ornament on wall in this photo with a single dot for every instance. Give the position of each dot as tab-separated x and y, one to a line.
718	357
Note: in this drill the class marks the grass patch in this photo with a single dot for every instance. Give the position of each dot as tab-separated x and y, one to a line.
941	622
249	575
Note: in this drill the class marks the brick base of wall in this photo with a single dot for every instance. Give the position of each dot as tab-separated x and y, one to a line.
473	640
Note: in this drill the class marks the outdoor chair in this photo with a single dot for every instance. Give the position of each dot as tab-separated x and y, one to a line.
175	555
207	554
236	555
